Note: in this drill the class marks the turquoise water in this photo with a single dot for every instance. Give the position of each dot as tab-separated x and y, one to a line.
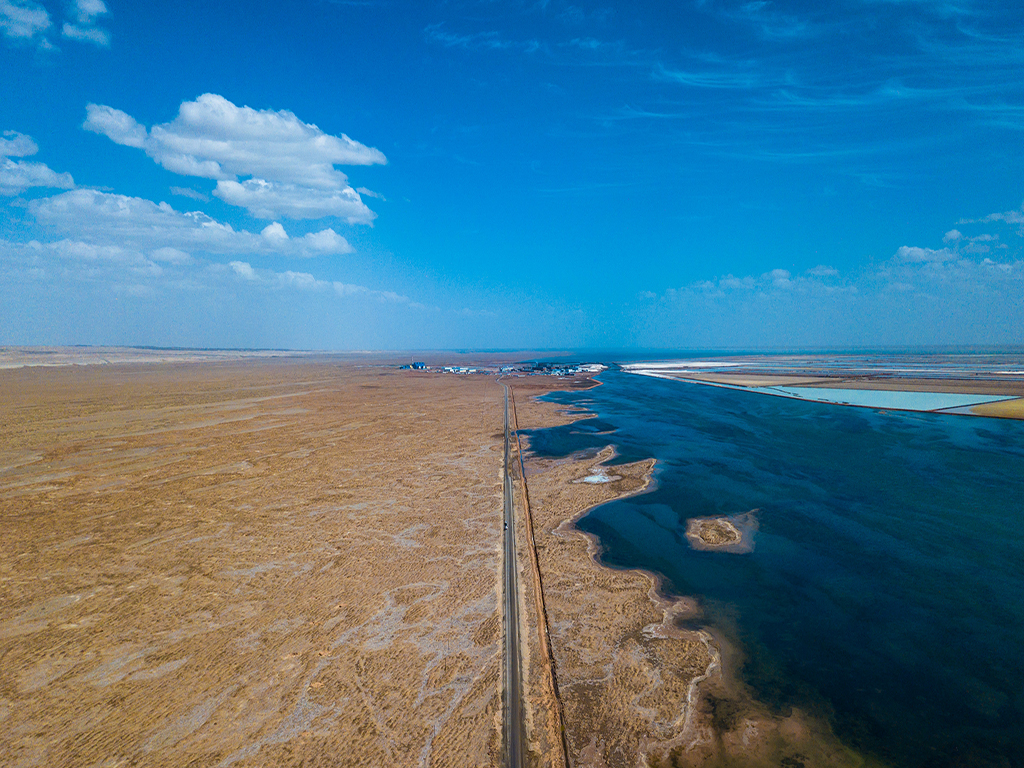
907	401
886	586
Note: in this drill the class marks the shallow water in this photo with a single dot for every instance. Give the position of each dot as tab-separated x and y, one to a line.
885	590
905	401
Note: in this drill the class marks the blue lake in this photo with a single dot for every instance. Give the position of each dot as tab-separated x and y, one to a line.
885	591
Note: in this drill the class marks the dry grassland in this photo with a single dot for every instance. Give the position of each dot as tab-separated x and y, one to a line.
249	563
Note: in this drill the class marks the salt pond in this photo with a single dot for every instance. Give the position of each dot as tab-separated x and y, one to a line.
874	398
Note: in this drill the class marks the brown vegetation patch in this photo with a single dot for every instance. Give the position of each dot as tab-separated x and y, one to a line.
249	563
734	533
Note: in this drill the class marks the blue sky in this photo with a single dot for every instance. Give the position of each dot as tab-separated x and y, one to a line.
369	175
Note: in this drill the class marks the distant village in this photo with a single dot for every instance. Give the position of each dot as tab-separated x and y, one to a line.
519	369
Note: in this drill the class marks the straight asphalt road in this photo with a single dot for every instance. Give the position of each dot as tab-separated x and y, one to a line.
513	699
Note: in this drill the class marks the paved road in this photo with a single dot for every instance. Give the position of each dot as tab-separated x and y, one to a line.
513	703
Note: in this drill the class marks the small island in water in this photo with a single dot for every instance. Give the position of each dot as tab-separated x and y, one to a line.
732	533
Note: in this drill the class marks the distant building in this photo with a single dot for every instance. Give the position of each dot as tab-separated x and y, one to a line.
419	366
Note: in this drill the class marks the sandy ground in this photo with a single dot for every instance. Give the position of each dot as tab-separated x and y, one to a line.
637	684
1006	409
19	357
249	563
297	562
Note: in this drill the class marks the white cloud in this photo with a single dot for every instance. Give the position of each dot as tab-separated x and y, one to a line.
914	255
72	264
773	283
347	289
18	175
477	40
733	283
191	193
969	244
780	278
959	277
92	259
118	126
102	217
326	241
301	280
1009	217
274	233
291	163
17	144
823	271
267	200
304	281
84	28
23	19
171	256
370	193
243	269
86	34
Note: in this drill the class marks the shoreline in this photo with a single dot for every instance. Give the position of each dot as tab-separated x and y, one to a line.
1002	405
695	734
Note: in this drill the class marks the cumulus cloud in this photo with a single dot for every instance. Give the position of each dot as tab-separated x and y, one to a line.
23	20
974	244
959	277
16	144
267	200
103	217
83	28
71	266
290	164
1008	217
780	278
915	255
71	260
118	126
243	269
132	260
736	283
775	282
18	175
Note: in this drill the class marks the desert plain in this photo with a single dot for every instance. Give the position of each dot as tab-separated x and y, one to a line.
296	561
274	562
